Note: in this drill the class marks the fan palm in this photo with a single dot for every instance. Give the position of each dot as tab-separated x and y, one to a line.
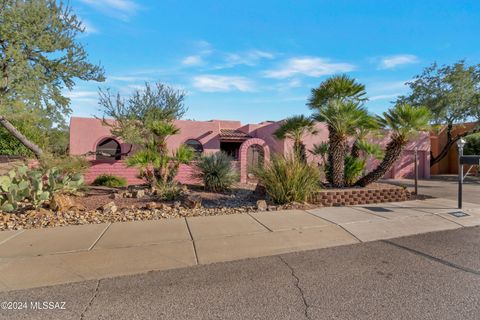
343	118
404	121
295	128
341	89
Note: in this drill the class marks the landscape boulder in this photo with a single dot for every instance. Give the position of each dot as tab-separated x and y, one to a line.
61	202
193	202
262	205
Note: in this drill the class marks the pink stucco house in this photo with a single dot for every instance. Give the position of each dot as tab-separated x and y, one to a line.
247	144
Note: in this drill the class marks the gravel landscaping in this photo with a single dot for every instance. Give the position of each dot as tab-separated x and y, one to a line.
101	205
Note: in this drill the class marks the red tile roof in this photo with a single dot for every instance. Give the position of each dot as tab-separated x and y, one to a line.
233	134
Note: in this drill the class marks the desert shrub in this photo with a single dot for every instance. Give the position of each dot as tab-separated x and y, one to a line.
107	180
217	172
288	180
169	191
35	186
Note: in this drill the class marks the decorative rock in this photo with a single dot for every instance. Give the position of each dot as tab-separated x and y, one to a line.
138	193
116	195
177	205
272	208
262	205
193	202
61	202
152	205
109	208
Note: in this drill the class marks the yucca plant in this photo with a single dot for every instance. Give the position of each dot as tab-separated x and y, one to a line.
217	172
295	128
286	179
404	121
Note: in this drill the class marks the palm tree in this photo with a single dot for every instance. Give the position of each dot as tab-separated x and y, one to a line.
295	128
342	89
343	118
404	121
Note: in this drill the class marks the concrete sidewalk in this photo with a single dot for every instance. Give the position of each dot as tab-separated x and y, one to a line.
41	257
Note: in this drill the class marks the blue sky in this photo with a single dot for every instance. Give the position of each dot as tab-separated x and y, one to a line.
258	60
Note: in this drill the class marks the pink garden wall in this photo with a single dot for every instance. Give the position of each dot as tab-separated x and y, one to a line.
86	133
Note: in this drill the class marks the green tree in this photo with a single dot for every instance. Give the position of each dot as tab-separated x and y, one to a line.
295	128
146	119
338	94
452	94
39	57
403	121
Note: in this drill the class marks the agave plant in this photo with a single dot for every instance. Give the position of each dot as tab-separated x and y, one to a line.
217	172
403	120
295	128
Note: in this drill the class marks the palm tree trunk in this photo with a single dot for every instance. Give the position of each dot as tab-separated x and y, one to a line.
392	154
20	137
300	151
337	163
355	152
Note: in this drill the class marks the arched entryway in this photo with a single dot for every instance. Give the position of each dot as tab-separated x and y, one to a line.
108	149
255	159
253	152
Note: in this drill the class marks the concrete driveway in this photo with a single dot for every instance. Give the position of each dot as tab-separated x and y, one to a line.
429	276
445	187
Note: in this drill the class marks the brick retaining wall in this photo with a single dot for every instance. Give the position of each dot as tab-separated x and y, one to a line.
186	174
355	196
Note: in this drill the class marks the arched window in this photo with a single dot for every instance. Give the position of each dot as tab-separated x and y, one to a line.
108	149
195	145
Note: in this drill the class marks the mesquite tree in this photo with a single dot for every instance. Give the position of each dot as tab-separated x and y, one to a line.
452	94
39	57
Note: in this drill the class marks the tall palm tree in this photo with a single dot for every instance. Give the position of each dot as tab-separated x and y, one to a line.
342	89
343	118
404	121
295	128
339	87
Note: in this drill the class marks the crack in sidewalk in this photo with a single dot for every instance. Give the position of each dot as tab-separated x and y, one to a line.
90	303
297	285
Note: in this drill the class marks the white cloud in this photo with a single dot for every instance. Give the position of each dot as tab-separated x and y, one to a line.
122	9
249	58
384	96
194	60
127	78
308	66
397	60
89	27
215	83
81	94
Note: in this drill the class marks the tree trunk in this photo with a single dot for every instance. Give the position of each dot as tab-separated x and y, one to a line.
20	137
337	163
451	140
300	151
328	164
355	152
392	154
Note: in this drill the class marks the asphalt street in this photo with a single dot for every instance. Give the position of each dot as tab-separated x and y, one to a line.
429	276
